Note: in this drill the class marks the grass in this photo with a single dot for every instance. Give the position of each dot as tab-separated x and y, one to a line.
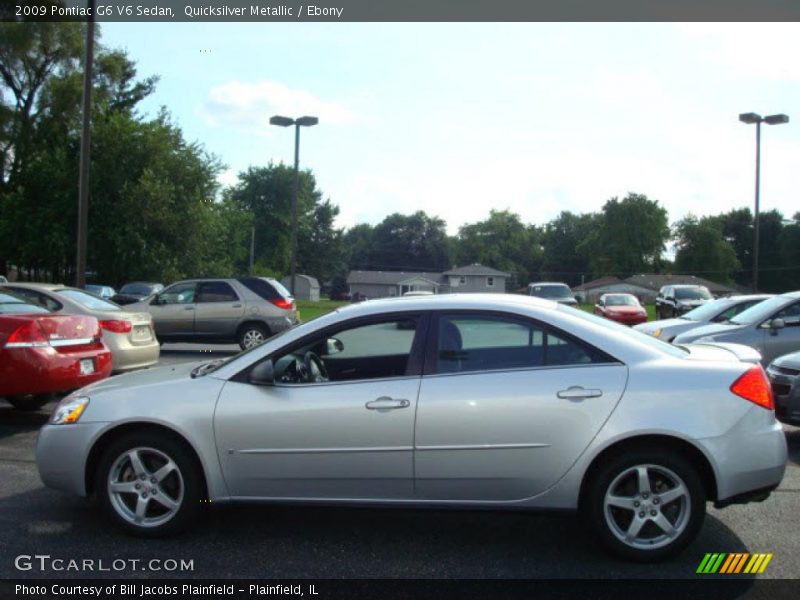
311	310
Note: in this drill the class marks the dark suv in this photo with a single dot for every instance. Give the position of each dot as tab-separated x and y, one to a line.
674	300
550	290
244	310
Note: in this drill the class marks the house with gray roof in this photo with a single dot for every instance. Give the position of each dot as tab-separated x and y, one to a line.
385	284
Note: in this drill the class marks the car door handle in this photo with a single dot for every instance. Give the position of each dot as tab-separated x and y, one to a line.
387	403
577	392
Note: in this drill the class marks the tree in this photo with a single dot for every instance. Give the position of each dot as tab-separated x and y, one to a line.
629	238
702	250
504	242
410	242
565	257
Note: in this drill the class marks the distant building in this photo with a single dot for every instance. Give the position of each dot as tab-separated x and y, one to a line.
645	286
385	284
306	287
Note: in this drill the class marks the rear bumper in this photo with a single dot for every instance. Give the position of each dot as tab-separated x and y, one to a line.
749	459
129	357
46	370
787	397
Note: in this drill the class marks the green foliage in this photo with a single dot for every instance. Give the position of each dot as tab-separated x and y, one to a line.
503	242
565	256
702	250
630	236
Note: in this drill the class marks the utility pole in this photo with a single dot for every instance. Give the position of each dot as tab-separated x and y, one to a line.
85	161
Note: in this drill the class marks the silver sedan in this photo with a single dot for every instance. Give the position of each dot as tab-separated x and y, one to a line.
482	401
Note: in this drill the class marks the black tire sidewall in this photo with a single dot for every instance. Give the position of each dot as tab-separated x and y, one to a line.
190	472
30	402
594	510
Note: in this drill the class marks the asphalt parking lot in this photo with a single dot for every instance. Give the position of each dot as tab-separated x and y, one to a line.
326	542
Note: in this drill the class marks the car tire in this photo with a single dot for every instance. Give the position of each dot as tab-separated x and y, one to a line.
149	484
645	505
252	334
29	402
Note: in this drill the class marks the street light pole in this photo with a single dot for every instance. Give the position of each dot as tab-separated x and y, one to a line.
86	142
750	119
300	122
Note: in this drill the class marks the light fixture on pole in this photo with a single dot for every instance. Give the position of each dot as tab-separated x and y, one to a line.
749	119
298	123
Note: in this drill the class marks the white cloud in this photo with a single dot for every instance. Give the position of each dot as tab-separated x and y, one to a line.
247	106
227	178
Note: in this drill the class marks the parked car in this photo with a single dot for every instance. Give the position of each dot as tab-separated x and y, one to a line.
418	293
104	291
136	291
42	353
487	401
772	327
559	292
716	311
129	335
784	375
622	308
243	310
674	300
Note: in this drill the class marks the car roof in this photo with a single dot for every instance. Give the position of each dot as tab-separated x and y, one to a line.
39	286
548	283
444	302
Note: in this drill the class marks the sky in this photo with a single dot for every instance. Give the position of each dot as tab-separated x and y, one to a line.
457	119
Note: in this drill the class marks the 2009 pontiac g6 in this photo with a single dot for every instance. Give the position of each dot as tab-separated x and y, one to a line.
493	401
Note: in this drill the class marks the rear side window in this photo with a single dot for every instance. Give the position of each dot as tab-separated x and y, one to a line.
216	291
268	290
469	343
90	301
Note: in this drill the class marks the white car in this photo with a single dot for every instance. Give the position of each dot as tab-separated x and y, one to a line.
475	400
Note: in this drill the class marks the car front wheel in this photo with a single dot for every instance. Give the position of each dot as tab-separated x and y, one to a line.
646	506
150	484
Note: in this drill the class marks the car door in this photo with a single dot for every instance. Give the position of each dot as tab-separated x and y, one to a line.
506	406
173	310
348	437
218	310
778	342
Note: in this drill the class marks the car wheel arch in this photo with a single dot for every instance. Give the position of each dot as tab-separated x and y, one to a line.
659	443
109	436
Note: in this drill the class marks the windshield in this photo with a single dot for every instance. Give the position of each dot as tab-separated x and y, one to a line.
621	300
626	332
706	312
88	300
698	293
761	311
550	291
137	289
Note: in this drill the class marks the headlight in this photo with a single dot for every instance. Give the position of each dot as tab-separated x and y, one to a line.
656	333
69	410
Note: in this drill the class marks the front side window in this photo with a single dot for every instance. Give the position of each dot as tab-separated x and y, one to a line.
790	315
468	343
367	351
182	293
216	291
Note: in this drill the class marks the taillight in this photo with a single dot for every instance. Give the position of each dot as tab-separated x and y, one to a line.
283	303
116	326
29	335
754	386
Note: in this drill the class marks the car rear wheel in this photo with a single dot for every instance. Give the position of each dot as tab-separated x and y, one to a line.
149	484
29	402
646	505
251	335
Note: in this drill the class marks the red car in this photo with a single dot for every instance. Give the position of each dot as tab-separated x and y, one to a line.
622	308
42	353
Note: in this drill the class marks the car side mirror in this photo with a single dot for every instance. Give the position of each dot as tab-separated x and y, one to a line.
263	373
777	324
333	346
156	300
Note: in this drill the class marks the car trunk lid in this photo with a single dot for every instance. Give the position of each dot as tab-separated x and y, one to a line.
707	351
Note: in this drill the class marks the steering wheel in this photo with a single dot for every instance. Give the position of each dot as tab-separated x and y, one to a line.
315	368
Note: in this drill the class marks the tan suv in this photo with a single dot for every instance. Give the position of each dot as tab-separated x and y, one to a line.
244	310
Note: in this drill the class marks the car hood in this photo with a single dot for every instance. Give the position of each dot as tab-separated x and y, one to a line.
628	310
143	378
652	326
789	361
707	330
